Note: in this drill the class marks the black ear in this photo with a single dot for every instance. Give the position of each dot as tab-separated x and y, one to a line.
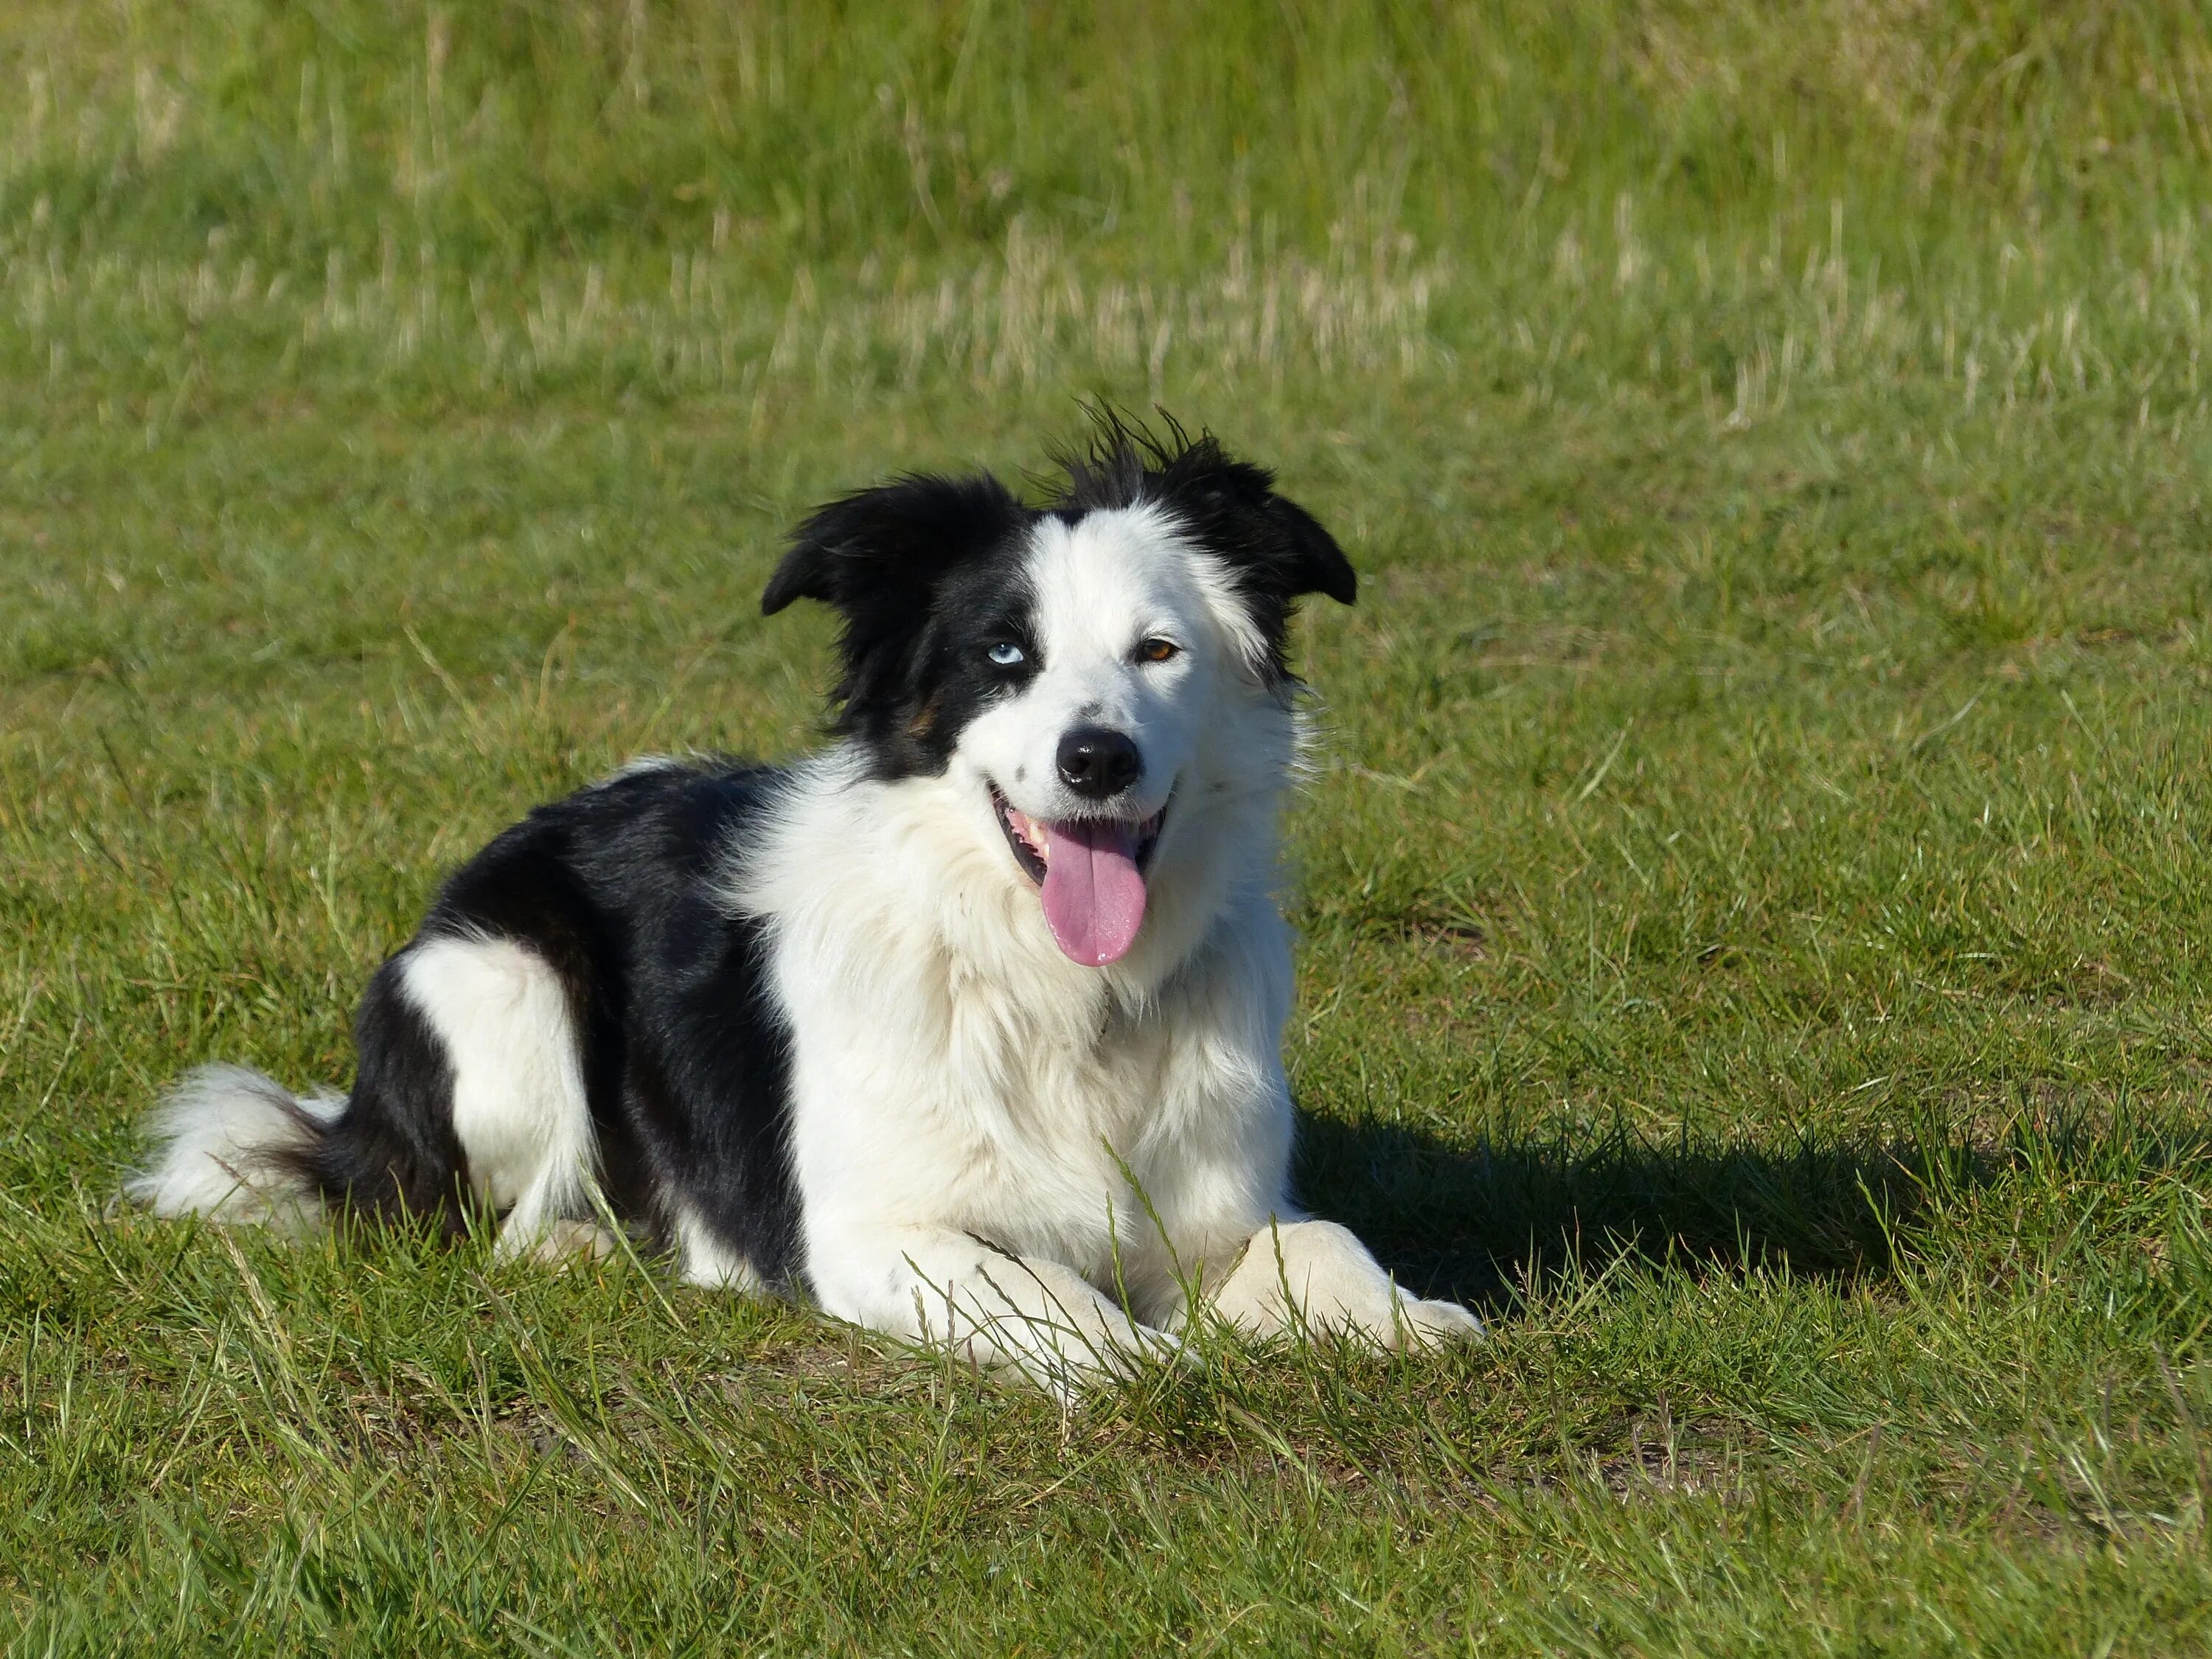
884	550
1276	550
878	557
1310	561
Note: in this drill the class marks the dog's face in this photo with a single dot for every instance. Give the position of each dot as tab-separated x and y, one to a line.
1076	671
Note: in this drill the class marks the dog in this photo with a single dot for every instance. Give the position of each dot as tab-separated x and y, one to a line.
968	1026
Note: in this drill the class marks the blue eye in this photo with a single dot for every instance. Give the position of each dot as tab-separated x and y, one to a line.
1006	654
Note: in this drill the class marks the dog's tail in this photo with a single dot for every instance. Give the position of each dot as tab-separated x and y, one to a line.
236	1147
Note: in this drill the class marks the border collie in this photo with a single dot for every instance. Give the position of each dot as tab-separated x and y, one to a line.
969	1025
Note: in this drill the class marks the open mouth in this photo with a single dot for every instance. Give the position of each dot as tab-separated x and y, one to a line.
1032	838
1089	874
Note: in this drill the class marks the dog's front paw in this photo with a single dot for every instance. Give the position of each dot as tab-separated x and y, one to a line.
1436	1324
562	1245
1315	1276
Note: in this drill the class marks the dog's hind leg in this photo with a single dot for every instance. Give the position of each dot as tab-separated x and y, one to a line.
519	1112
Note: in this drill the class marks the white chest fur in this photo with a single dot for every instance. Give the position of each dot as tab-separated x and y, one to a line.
952	1071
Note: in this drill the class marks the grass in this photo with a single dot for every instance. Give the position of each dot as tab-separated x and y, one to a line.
1752	900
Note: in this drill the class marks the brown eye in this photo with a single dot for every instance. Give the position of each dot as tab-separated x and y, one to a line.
1156	650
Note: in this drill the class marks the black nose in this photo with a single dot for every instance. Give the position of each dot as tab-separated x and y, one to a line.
1097	763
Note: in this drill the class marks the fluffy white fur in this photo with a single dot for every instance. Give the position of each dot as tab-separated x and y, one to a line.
958	1080
519	1105
215	1131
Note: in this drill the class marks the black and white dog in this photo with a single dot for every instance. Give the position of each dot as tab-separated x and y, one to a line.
969	1025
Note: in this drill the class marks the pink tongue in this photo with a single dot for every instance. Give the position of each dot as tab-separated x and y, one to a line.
1094	899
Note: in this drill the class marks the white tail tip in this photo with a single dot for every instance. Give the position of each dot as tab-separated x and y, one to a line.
215	1137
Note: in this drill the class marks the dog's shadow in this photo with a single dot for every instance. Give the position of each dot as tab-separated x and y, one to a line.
1481	1223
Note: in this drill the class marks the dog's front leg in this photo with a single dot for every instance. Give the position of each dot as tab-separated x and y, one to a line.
1317	1274
950	1290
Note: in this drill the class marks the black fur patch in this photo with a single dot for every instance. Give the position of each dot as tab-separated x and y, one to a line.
916	569
393	1152
685	1053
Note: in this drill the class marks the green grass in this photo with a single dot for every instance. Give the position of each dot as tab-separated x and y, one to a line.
1753	893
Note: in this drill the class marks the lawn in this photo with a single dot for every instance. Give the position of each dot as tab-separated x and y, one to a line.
1753	887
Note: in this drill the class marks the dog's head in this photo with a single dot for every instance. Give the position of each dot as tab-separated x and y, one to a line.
1092	672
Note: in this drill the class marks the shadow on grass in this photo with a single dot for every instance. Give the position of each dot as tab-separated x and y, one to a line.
1476	1223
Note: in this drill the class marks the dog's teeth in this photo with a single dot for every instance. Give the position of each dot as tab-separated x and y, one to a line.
1031	832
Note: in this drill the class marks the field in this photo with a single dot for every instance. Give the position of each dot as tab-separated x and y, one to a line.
1753	887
